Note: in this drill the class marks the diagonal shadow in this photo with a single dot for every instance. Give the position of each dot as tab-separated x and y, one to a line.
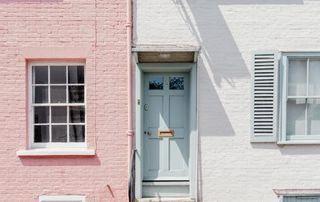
220	62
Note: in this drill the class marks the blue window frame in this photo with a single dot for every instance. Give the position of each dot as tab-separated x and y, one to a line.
300	98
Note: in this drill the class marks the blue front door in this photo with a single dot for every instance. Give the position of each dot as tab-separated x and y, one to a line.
166	131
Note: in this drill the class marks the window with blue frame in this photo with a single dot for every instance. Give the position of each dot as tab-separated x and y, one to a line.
300	103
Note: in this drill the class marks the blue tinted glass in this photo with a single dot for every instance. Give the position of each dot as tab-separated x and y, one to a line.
156	83
176	83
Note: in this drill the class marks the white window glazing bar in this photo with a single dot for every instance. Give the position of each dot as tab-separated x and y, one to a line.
58	104
306	100
285	89
49	104
49	101
67	101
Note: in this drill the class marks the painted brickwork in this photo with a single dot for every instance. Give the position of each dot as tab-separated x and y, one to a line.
94	30
232	169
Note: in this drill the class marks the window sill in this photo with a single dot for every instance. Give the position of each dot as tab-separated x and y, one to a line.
296	192
300	142
57	152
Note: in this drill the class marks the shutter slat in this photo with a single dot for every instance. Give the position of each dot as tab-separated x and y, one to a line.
264	95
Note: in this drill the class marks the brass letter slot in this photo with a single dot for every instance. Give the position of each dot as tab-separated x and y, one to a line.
166	133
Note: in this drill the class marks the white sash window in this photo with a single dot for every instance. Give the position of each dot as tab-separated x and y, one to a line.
57	105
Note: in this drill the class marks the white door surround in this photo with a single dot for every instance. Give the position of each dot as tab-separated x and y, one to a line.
176	188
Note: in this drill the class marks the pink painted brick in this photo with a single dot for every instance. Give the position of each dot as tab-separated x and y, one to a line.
99	30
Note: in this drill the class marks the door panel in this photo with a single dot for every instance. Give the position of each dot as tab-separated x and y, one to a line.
165	108
155	109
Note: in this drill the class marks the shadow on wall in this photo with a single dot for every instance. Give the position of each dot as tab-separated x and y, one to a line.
220	61
289	149
60	161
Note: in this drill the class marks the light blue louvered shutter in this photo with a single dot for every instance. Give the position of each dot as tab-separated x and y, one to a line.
264	97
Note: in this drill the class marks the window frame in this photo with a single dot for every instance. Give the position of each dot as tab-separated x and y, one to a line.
283	91
307	196
282	193
54	145
62	198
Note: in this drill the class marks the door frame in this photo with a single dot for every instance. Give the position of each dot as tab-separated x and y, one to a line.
142	68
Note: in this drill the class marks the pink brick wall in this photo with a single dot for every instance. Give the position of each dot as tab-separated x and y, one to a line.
97	31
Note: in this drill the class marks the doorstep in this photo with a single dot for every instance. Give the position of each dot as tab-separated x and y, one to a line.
161	199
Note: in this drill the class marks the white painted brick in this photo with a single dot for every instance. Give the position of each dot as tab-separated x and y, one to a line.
231	168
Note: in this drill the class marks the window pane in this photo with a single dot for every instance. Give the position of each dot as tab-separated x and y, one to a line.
77	133
77	114
314	117
40	75
41	133
176	83
301	199
57	74
40	94
314	81
296	117
76	74
58	94
59	114
59	133
41	114
156	83
297	77
76	94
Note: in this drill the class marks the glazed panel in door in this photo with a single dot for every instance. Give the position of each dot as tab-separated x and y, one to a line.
165	110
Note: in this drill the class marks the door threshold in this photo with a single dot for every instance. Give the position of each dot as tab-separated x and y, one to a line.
166	199
165	183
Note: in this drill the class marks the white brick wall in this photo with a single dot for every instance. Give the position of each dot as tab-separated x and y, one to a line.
228	32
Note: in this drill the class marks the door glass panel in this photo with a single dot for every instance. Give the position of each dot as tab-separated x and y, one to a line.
297	77
176	83
156	83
